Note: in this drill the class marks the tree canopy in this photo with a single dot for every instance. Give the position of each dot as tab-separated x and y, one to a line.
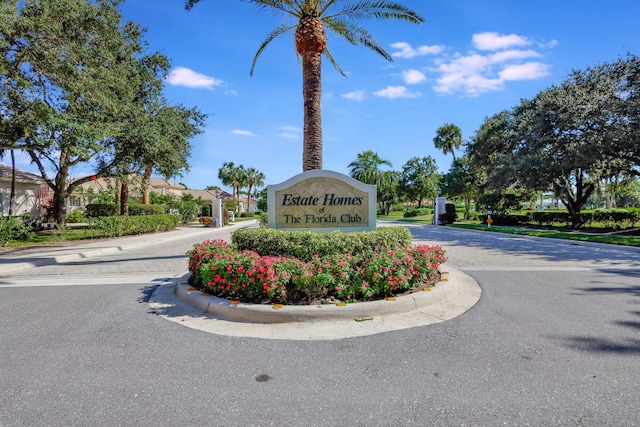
420	179
78	87
567	137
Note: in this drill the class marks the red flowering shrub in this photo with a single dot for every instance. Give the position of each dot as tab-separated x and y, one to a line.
202	253
219	269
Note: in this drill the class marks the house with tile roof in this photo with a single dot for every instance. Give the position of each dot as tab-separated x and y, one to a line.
31	192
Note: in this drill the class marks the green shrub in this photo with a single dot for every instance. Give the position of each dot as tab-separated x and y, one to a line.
140	209
247	214
263	219
549	218
409	213
507	220
188	210
15	228
116	226
614	218
76	215
95	210
450	216
205	210
305	244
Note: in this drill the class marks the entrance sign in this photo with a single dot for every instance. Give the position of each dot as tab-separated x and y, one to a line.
323	201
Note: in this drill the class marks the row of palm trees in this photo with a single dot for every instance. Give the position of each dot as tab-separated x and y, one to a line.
239	177
366	167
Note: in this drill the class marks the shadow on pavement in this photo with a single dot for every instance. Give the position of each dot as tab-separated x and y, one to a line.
562	250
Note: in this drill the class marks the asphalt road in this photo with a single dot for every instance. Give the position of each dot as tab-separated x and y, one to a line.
554	341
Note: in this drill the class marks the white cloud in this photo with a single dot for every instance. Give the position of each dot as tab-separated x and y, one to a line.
356	95
511	55
181	76
526	71
411	77
393	92
290	132
495	41
475	73
242	132
406	51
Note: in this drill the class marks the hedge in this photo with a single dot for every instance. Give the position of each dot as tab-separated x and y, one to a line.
95	210
138	209
612	219
303	245
508	220
617	219
116	226
409	213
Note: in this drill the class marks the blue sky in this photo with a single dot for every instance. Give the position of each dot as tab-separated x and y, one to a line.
469	60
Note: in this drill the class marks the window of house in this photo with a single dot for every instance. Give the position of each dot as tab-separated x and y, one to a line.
75	202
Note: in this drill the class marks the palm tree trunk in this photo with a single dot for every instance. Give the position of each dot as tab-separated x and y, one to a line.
249	199
311	92
124	198
12	195
146	180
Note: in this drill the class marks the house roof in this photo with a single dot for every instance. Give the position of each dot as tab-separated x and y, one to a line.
21	176
163	183
208	194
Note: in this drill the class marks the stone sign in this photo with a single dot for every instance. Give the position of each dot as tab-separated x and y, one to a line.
323	201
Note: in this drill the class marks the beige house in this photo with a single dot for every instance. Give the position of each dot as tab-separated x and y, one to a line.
89	191
31	192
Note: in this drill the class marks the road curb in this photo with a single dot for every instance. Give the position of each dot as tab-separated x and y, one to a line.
444	301
47	256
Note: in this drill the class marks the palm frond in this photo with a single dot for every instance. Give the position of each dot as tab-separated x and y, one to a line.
281	29
368	9
190	3
355	35
285	6
333	61
326	7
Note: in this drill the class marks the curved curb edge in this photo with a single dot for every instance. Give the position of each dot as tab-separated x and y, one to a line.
326	322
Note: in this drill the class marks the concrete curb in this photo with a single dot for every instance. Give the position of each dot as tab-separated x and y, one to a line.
83	250
447	300
257	313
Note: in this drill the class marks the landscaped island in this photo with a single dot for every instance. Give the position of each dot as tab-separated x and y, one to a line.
298	267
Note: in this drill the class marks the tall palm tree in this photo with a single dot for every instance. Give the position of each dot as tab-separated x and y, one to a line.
366	168
235	177
253	177
225	175
238	181
12	194
448	138
311	18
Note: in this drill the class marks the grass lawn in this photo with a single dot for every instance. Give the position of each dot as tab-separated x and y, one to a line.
614	239
584	236
398	216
